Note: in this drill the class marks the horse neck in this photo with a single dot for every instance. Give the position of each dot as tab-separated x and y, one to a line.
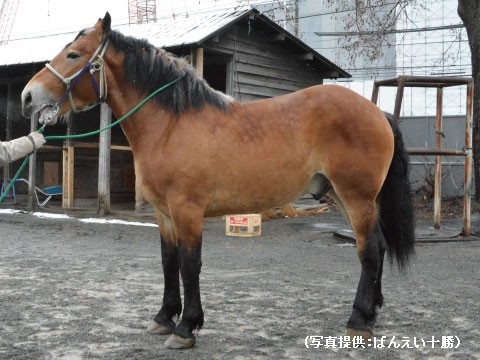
149	121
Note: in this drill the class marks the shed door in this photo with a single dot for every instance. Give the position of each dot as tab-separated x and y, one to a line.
216	71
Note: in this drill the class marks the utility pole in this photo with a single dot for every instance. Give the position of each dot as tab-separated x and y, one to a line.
142	11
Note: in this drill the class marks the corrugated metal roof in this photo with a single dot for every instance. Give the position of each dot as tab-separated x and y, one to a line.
185	29
175	31
180	30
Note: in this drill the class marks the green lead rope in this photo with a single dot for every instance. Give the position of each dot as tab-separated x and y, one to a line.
91	133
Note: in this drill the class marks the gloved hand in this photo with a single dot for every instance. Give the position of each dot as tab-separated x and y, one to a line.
37	139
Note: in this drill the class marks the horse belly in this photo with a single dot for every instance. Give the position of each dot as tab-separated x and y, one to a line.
258	190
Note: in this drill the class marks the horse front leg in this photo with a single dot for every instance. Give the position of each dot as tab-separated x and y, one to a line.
163	323
192	317
188	227
369	295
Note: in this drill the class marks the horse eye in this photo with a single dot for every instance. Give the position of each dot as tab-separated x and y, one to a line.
73	56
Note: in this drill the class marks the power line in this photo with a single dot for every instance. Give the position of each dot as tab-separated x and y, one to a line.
393	31
319	34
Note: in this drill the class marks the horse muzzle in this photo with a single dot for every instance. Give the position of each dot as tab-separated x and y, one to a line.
35	99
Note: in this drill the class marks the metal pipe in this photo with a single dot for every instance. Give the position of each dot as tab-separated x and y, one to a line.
437	191
448	152
398	99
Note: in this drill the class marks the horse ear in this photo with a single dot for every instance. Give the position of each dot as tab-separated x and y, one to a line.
106	23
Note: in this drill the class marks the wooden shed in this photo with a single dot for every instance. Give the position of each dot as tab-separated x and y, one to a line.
241	52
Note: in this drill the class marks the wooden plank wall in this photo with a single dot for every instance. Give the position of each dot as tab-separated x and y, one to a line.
262	68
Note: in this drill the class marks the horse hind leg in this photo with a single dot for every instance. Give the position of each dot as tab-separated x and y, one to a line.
362	215
369	293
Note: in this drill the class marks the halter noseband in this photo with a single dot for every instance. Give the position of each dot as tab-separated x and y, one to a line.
92	66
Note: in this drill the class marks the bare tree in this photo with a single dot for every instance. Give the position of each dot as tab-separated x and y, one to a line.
369	24
371	28
468	11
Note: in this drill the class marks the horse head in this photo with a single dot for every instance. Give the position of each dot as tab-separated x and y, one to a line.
74	80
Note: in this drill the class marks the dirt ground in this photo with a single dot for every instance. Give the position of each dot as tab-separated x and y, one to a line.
451	208
74	287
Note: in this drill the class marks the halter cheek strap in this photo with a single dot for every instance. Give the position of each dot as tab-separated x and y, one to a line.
92	66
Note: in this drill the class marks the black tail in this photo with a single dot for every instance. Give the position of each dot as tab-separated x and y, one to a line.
396	208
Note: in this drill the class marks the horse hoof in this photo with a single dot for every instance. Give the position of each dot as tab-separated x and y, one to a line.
160	329
366	334
178	342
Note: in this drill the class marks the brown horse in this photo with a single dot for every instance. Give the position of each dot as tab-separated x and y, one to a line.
199	153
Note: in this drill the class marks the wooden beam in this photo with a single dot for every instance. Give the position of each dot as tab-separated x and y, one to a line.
219	59
68	197
275	37
103	198
68	177
49	148
304	57
87	145
32	166
330	74
198	61
8	128
15	79
229	77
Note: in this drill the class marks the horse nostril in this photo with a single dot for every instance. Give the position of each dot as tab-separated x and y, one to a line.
28	99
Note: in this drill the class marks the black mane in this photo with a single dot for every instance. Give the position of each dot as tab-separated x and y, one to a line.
148	68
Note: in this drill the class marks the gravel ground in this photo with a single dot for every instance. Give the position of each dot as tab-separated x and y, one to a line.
72	289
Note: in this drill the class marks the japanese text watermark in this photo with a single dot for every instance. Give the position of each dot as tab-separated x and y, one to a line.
382	342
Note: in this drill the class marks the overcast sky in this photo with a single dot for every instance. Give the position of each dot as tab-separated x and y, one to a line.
42	16
36	17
